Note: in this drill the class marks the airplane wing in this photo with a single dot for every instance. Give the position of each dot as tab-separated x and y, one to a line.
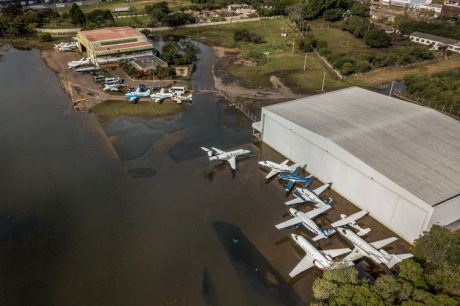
305	264
285	162
354	255
290	185
218	151
336	252
232	162
290	222
349	219
157	100
272	173
131	99
321	189
297	200
315	212
381	243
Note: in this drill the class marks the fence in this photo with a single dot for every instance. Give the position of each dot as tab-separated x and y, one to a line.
440	107
329	65
240	106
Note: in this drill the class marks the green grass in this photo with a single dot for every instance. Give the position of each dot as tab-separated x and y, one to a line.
116	108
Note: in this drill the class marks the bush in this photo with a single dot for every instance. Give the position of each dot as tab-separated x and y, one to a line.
377	38
164	72
257	56
246	36
333	14
307	44
45	37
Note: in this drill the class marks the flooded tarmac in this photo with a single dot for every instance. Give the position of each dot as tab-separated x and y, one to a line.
149	223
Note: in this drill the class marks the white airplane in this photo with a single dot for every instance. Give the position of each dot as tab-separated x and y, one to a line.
179	98
373	250
133	96
63	46
351	221
278	168
322	259
306	195
215	154
113	87
162	95
81	62
305	218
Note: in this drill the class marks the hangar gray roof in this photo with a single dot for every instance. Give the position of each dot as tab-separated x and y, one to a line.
414	146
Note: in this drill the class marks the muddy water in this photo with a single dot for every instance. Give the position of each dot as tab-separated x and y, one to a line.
161	226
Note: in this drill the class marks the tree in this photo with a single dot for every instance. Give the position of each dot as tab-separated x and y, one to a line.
388	288
439	245
359	295
245	35
157	11
296	12
100	17
333	14
412	271
177	19
307	44
77	16
323	289
359	9
445	278
45	37
377	38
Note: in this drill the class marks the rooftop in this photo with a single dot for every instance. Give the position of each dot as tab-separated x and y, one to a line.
414	146
110	33
136	44
444	40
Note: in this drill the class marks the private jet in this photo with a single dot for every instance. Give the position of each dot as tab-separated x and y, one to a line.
322	259
293	178
215	154
161	95
133	96
113	87
81	62
278	168
303	195
306	219
362	248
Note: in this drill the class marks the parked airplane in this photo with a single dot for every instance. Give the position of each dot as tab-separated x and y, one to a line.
63	46
305	218
133	96
161	95
322	259
215	154
81	62
306	195
351	221
113	87
278	168
295	178
373	250
110	81
179	98
88	69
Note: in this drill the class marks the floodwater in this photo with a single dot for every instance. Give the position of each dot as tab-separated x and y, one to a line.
150	222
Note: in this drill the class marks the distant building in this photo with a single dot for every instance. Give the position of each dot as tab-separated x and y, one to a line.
406	3
450	10
109	45
397	160
436	42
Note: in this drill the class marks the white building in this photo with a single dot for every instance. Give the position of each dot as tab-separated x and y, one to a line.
406	3
398	160
435	42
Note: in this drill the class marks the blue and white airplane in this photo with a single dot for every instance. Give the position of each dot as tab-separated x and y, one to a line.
295	178
306	219
303	195
137	94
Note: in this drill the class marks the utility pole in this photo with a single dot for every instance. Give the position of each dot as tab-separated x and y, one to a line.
293	45
324	80
305	62
391	88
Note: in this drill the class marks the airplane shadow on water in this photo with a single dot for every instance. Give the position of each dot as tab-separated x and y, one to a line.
223	166
262	281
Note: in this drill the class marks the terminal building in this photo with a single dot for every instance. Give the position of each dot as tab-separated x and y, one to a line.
109	45
397	160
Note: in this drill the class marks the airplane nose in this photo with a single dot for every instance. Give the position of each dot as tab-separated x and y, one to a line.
294	236
292	211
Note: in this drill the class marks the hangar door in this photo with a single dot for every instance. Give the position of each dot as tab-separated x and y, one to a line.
277	135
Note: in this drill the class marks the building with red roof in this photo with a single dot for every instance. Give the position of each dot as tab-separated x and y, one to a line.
110	45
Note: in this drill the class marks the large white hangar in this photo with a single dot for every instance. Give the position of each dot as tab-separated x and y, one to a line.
398	160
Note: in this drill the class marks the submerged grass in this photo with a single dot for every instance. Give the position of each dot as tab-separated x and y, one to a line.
116	108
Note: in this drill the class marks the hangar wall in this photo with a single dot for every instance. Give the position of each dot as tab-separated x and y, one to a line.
447	212
399	210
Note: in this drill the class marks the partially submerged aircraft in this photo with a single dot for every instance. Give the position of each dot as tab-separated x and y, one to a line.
161	95
133	96
215	154
278	168
293	178
179	98
87	69
322	259
113	87
81	62
303	195
306	219
372	250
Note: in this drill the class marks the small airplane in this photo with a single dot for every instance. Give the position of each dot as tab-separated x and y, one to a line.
303	195
88	69
113	87
294	177
215	154
133	96
63	46
351	221
161	95
277	168
322	259
179	98
81	62
110	81
305	218
372	250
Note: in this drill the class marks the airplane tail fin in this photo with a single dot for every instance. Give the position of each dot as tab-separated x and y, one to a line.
326	233
396	258
208	151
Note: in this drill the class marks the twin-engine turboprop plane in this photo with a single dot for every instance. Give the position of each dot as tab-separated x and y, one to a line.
373	250
278	168
303	195
294	177
306	219
322	259
215	154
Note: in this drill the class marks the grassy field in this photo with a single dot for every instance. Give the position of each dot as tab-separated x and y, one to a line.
115	108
